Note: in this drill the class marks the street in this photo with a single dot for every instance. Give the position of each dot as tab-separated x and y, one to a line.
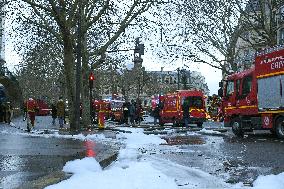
25	157
214	159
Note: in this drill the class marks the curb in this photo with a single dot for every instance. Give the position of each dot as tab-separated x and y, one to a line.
59	176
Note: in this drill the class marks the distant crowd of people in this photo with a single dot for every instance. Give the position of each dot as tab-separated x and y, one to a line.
132	112
30	109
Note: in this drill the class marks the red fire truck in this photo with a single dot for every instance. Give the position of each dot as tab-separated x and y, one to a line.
43	109
172	107
254	98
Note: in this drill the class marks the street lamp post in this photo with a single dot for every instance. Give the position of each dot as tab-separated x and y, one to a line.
160	93
178	72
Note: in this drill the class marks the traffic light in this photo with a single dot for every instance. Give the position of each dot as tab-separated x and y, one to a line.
91	80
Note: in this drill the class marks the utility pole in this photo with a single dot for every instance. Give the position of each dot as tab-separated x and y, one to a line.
138	52
178	70
160	93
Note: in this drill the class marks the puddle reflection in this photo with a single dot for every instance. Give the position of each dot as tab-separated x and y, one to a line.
89	146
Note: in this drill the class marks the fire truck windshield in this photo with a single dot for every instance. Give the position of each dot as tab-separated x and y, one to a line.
195	101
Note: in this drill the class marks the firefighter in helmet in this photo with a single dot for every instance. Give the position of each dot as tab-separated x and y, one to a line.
32	108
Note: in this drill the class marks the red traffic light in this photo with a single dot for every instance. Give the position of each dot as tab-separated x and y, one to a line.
91	77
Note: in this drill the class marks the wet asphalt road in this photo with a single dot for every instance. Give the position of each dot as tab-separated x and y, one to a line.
231	158
24	158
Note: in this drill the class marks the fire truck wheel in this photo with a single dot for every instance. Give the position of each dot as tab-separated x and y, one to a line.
176	123
279	127
161	123
237	127
272	131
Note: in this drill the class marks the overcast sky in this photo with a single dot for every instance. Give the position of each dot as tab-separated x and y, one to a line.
151	62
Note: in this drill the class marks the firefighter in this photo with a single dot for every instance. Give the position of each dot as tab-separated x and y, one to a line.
32	108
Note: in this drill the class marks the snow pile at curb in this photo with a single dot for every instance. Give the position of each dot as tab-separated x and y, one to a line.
206	131
127	173
269	181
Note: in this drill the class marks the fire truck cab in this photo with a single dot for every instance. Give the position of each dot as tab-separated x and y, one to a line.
254	99
172	108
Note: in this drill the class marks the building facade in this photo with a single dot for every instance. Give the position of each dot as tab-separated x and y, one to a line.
262	26
129	85
2	36
179	80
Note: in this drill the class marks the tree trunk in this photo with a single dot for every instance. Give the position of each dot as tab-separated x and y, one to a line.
69	68
86	116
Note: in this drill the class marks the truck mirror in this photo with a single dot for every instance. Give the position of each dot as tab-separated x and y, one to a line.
220	92
221	84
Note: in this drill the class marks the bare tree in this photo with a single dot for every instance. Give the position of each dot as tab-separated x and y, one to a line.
41	71
59	18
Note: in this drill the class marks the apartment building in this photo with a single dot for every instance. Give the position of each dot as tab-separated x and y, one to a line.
262	26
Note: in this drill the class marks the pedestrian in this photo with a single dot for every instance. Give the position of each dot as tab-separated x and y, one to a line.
156	114
139	112
25	111
53	113
132	112
125	113
60	111
185	109
32	108
8	112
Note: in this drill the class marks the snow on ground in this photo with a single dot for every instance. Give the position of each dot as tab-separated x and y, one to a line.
269	181
135	170
206	131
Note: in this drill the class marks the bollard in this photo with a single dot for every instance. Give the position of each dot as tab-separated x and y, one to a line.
101	118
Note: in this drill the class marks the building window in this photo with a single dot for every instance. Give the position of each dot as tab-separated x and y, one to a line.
281	14
281	36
